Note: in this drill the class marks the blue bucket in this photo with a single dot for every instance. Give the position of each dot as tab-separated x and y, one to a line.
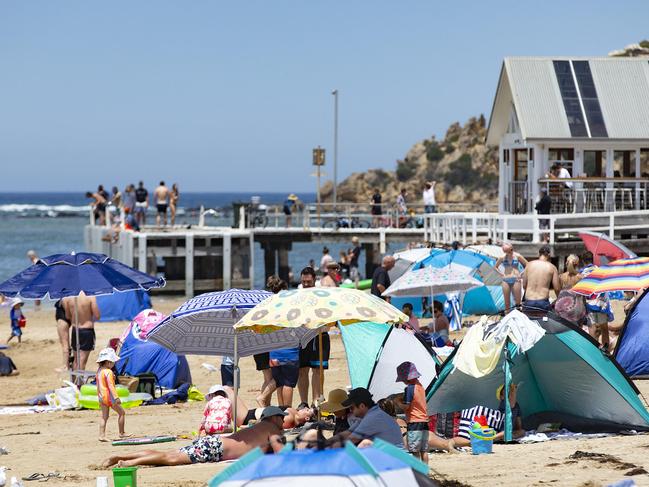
482	440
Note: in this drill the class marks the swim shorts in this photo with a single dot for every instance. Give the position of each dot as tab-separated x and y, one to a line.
261	361
16	331
314	352
204	449
417	436
227	375
286	374
537	305
86	339
162	208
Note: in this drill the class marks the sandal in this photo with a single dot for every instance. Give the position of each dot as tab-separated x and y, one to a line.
35	476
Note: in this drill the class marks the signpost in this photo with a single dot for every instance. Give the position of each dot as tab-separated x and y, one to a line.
318	162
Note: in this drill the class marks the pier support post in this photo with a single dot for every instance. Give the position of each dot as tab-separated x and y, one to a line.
282	254
227	261
251	269
372	259
189	265
382	241
270	263
141	253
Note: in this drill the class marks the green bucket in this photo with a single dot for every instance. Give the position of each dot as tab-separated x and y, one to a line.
125	477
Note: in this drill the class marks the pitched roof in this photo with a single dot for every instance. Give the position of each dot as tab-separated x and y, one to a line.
531	85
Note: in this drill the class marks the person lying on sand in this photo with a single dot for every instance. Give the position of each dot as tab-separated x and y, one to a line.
495	420
267	435
294	418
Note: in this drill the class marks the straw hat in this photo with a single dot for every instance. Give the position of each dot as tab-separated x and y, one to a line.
107	354
292	196
333	403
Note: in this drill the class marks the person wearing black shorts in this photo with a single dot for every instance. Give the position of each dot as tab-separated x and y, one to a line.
86	339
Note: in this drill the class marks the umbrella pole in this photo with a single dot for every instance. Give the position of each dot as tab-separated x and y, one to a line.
320	356
236	381
76	331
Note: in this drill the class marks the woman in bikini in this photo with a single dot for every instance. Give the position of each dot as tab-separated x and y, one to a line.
511	264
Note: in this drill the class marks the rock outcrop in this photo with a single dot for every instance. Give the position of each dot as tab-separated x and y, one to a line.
466	171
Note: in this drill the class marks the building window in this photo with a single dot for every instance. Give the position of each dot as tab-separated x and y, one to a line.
506	156
520	164
564	155
644	163
589	99
624	164
595	163
570	98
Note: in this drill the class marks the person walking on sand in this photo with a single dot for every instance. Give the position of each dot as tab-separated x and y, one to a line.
161	195
107	393
17	320
539	277
173	202
87	312
511	264
266	435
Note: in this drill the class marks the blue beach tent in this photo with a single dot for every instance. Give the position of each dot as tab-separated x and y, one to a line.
123	306
379	465
374	350
565	378
632	348
487	299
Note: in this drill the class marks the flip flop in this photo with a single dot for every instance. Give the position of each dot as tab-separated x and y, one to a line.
35	476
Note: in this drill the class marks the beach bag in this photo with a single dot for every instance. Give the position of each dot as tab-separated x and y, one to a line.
64	397
22	322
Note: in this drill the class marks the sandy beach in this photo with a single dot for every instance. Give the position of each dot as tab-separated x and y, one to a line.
66	441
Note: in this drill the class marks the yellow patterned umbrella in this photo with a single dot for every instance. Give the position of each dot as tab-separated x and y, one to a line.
316	307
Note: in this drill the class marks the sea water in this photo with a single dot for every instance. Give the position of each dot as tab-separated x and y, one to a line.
51	223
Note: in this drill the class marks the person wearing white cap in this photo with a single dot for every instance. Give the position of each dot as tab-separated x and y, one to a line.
107	393
217	416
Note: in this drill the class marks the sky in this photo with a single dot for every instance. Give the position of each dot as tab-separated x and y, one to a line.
233	96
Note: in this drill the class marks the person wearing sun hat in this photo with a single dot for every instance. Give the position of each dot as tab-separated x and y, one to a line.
413	402
17	319
107	393
217	415
334	405
291	201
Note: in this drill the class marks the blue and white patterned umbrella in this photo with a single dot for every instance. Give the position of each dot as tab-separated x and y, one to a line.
204	326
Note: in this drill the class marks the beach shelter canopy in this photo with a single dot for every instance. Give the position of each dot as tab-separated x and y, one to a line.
377	466
123	306
427	281
564	378
65	275
204	325
604	248
404	259
619	275
482	300
138	356
317	307
374	350
632	348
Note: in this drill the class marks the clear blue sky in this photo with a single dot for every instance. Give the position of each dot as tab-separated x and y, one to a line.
227	96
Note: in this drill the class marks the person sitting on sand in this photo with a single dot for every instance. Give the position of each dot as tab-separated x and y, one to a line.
217	416
294	418
7	366
267	435
495	420
107	393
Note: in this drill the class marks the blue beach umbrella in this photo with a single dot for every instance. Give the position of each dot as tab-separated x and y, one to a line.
65	275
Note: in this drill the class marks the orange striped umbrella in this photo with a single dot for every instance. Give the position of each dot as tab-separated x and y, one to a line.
619	275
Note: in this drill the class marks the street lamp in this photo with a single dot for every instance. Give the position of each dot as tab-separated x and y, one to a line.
318	162
335	94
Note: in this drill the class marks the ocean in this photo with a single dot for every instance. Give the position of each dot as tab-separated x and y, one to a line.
51	223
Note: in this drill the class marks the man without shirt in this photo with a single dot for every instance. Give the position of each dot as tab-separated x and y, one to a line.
161	195
538	278
84	318
267	435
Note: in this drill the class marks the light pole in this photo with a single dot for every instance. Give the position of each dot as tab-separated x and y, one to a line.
335	94
318	162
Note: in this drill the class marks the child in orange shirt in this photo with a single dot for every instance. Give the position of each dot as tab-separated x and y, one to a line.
413	402
107	393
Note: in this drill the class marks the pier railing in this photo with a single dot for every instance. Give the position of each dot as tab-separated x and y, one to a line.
468	228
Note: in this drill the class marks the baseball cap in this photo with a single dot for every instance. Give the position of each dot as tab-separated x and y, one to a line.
271	411
357	396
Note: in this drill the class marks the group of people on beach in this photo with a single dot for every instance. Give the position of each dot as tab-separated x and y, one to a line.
134	203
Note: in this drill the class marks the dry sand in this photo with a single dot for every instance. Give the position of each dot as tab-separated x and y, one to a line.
67	441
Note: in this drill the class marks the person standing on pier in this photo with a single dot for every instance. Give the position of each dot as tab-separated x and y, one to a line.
352	257
430	206
376	207
402	207
141	204
161	194
173	202
310	355
289	205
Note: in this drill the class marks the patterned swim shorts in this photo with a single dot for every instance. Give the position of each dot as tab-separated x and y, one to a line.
204	449
417	436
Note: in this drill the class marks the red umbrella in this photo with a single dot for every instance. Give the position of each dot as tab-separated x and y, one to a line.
604	248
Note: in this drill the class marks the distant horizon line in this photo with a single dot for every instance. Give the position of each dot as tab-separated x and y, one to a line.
188	191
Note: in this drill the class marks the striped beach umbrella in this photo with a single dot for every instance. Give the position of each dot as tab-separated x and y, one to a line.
619	275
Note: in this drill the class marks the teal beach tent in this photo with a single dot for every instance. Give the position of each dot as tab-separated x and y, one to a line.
374	350
564	378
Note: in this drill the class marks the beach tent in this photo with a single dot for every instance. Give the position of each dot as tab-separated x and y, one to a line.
374	350
563	378
379	465
483	300
632	348
122	306
138	356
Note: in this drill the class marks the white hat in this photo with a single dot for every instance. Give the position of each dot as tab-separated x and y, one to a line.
107	354
17	301
216	388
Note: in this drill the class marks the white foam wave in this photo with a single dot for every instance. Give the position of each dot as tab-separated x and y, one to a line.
29	208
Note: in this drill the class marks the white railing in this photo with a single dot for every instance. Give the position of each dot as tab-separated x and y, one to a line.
469	228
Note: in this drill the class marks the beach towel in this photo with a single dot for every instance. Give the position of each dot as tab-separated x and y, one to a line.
172	397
